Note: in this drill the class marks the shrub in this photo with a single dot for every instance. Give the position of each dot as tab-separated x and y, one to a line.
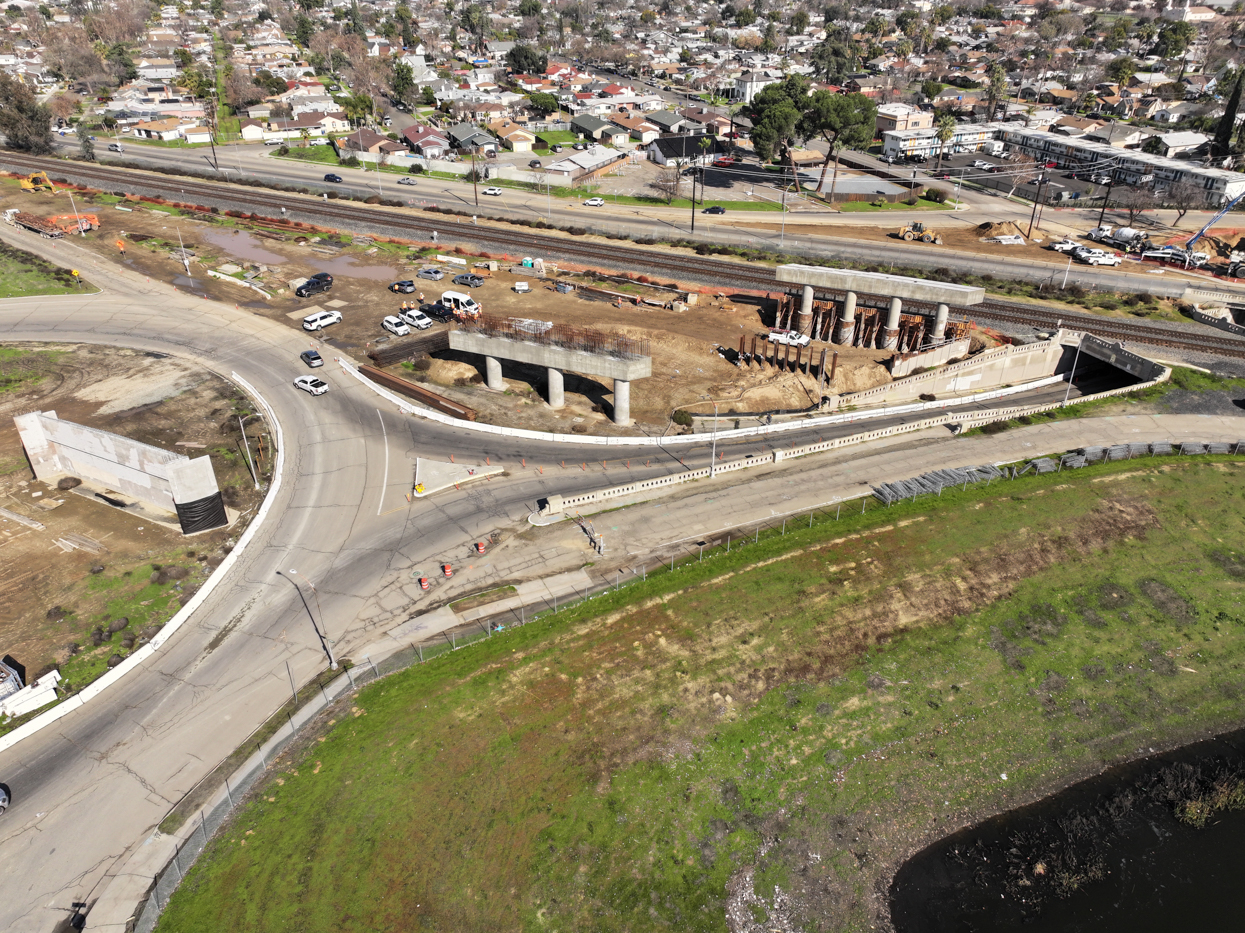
349	162
333	195
682	417
373	199
937	195
416	170
912	201
283	150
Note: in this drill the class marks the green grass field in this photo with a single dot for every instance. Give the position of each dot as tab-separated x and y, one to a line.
795	715
24	274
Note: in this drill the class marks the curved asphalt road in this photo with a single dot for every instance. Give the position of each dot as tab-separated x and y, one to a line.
89	789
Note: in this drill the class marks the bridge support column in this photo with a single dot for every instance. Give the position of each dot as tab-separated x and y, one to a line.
492	374
804	320
622	401
891	339
847	323
557	397
940	323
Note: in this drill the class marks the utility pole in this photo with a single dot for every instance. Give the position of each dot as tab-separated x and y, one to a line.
713	456
695	172
1106	197
475	179
1037	197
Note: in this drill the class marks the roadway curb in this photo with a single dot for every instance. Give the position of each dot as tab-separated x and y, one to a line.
79	699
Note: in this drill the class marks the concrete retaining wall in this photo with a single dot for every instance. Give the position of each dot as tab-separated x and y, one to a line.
902	364
1007	365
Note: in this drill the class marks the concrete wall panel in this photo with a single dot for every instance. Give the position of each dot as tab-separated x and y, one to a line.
878	283
574	361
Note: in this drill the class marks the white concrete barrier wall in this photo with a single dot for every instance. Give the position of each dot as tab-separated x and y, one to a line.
182	615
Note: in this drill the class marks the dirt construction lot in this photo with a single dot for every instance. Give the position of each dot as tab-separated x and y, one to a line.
93	566
686	369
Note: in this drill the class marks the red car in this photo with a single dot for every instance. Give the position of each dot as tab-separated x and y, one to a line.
723	163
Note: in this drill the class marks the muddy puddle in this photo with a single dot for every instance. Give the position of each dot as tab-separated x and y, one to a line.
343	267
242	246
1107	855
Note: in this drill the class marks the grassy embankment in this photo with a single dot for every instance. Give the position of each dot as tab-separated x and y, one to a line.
793	716
24	274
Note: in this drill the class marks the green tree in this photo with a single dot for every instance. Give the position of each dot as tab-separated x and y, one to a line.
118	56
217	8
304	29
843	121
1222	143
799	22
941	15
931	88
356	20
530	8
183	58
526	60
745	17
403	81
769	41
475	21
85	143
25	123
429	96
197	83
775	114
908	22
1174	39
944	130
358	107
995	89
544	103
835	56
1121	69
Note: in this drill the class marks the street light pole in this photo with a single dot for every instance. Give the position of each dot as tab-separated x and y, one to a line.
1106	197
713	457
324	641
475	178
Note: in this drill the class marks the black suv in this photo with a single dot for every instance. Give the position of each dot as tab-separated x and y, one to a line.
320	282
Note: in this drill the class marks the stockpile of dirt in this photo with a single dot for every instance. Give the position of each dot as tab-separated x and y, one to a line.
1007	228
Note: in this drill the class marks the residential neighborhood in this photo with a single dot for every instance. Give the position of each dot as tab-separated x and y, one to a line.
411	84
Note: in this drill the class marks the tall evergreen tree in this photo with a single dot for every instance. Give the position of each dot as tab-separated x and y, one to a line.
1223	132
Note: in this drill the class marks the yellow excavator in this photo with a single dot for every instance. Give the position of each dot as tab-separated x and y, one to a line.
37	181
918	231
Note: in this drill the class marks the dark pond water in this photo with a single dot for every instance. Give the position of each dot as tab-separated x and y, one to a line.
1107	855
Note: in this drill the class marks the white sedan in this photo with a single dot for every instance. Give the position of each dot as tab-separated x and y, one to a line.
595	202
313	384
395	325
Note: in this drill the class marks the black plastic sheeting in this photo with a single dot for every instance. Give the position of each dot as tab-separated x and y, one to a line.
202	514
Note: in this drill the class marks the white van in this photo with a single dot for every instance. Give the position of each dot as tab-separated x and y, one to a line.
460	303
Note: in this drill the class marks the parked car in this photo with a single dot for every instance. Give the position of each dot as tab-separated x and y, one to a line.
437	312
1066	246
406	180
313	384
330	176
311	358
416	319
555	148
535	163
595	202
395	325
725	162
321	320
469	279
405	287
580	146
430	273
320	282
492	190
983	165
716	209
791	338
116	147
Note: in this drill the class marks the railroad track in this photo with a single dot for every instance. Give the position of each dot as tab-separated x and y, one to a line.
678	266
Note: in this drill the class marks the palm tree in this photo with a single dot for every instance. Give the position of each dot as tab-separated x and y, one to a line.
358	106
946	129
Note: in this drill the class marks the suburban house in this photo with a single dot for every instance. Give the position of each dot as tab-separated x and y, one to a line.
666	121
1178	145
687	150
641	130
426	141
1119	135
168	128
749	84
512	136
705	121
316	124
465	138
365	140
595	128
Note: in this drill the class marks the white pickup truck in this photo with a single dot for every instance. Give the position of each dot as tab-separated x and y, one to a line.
790	338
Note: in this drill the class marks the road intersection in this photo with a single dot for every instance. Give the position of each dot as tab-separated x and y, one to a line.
88	791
